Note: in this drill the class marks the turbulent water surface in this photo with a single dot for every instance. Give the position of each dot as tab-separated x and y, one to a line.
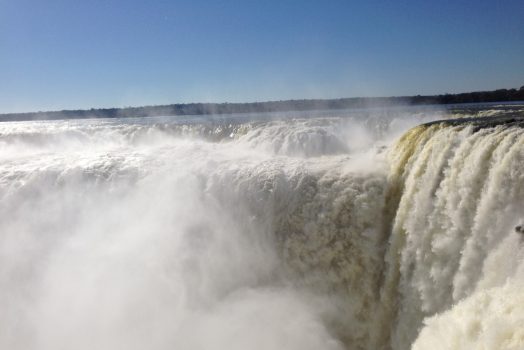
340	230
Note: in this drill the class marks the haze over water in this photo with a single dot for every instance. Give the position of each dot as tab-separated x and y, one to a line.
339	230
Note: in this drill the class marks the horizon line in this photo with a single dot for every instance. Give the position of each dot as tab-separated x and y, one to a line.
256	102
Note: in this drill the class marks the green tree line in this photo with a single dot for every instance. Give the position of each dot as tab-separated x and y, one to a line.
501	95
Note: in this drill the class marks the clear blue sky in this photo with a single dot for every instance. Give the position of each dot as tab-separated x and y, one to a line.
67	54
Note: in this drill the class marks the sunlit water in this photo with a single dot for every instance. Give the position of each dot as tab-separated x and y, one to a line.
297	231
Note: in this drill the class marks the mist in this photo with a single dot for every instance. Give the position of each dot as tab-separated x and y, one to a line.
267	232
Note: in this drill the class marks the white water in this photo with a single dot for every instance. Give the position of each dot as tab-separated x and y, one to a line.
455	240
264	234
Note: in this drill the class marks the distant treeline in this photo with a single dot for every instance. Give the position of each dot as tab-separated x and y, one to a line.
502	95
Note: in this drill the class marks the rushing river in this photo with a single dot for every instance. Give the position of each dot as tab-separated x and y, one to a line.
329	230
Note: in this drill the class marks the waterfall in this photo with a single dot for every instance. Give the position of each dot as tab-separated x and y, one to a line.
452	240
369	232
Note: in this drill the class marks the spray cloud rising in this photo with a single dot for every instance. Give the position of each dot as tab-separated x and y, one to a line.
295	232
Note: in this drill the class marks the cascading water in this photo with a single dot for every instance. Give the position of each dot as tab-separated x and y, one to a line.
265	232
453	243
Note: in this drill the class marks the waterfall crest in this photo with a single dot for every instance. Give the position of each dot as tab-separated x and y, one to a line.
299	233
462	194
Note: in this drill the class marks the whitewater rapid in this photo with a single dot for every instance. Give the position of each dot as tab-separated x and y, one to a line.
324	231
453	246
